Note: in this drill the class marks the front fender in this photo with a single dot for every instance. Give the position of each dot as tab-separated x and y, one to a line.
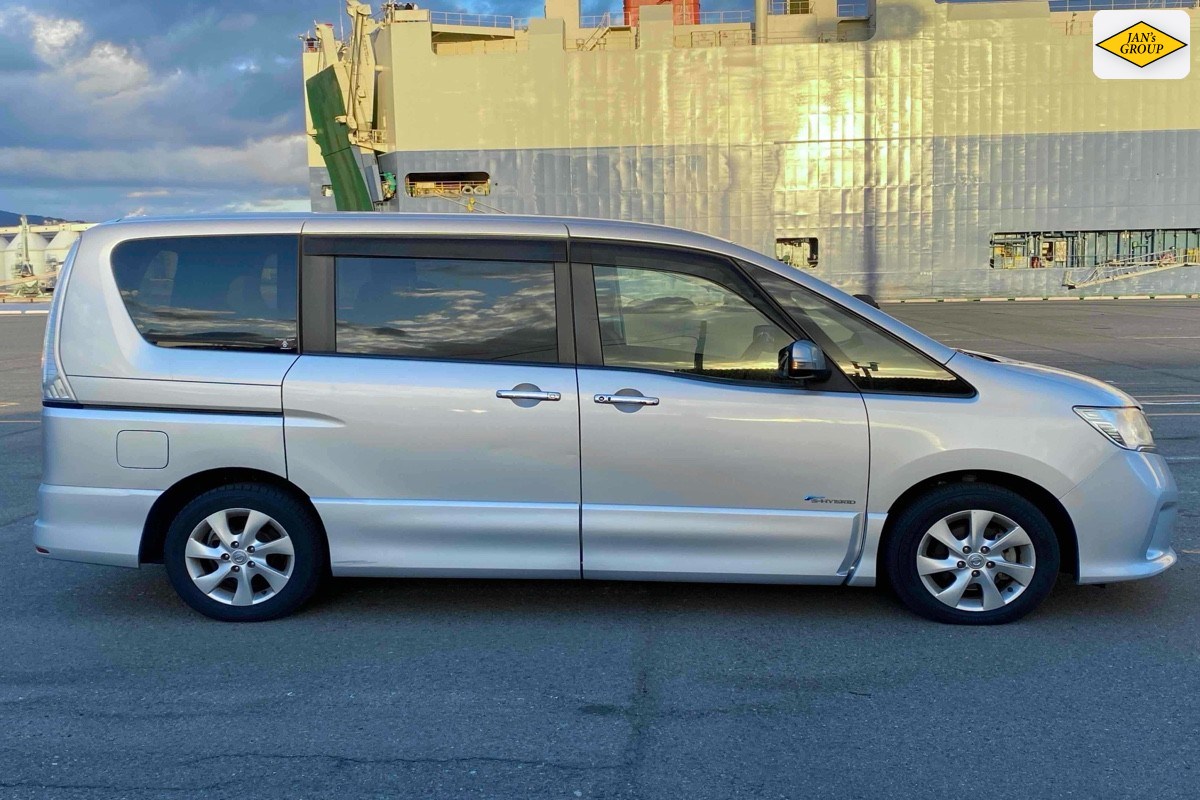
890	483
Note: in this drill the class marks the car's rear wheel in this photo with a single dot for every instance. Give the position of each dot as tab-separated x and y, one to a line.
245	553
973	554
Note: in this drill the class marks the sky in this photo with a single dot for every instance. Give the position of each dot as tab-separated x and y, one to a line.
115	107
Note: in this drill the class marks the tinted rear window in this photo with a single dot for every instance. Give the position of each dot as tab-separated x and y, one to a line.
449	309
211	291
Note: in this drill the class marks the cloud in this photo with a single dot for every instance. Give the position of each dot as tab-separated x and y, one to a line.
108	70
270	204
272	161
53	37
61	43
75	71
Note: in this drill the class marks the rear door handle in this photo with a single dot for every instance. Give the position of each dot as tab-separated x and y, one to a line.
522	394
625	399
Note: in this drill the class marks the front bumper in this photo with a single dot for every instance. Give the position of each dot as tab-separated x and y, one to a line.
1124	514
97	526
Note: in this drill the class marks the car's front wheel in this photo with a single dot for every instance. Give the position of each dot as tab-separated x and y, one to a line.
245	553
972	553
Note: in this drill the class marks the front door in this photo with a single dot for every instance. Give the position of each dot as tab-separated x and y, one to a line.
436	424
698	461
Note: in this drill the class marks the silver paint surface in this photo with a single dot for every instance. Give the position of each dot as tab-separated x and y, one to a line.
418	465
713	480
93	525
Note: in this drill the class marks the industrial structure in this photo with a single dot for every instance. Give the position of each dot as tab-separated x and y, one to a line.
908	148
31	255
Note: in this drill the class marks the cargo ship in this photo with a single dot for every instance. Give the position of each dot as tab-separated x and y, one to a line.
904	148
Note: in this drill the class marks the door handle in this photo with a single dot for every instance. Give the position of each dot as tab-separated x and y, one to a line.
625	399
523	394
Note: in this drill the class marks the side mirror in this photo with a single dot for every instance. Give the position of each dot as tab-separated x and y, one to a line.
868	299
803	360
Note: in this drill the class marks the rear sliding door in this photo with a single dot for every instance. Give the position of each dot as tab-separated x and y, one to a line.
433	416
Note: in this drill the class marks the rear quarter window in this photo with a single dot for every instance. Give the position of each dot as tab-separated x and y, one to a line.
223	292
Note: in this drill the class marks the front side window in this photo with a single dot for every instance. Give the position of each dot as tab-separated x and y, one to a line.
685	324
451	309
874	360
227	292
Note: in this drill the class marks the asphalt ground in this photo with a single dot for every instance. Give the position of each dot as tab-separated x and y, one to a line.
111	687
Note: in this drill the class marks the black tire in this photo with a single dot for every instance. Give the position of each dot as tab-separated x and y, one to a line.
309	564
903	543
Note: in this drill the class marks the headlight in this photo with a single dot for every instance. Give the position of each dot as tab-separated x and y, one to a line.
1126	427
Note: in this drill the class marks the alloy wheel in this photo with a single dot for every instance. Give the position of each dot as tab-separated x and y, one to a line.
239	556
976	560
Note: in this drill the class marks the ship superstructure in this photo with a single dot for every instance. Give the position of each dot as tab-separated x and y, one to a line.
911	148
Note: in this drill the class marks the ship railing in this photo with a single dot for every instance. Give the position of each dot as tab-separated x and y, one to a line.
1125	267
846	9
683	16
447	188
820	38
782	7
609	19
473	20
724	17
1108	5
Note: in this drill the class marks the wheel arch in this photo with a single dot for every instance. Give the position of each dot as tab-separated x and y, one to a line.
1047	503
172	501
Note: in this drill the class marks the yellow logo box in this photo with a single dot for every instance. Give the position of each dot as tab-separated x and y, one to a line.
1141	44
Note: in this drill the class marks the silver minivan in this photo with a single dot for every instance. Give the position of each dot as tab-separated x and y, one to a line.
258	402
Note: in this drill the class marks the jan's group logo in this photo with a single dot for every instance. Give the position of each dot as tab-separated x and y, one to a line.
1141	45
